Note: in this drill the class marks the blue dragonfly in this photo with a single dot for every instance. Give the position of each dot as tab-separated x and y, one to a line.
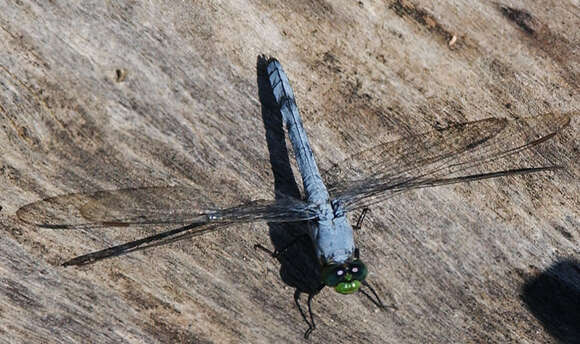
456	154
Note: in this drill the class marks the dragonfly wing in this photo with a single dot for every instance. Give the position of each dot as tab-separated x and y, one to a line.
158	205
460	153
155	240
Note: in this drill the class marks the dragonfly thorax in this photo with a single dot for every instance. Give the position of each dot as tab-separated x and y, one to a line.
332	236
325	212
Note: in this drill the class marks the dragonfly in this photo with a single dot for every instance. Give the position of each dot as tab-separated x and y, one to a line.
444	156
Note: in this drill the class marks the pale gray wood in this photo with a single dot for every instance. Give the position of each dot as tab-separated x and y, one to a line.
117	94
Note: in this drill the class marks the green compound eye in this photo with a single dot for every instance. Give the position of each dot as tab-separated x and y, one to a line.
333	274
345	278
358	269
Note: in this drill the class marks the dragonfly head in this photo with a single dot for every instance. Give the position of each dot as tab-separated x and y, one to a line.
345	278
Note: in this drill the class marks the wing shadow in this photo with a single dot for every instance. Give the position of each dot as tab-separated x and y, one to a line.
553	297
298	264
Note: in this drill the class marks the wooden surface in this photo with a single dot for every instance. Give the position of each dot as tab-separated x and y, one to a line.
106	95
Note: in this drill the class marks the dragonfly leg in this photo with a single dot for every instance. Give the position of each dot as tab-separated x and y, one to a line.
377	300
261	247
310	323
361	219
277	252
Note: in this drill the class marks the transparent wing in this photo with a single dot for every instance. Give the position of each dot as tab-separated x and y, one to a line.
460	153
158	205
197	211
163	238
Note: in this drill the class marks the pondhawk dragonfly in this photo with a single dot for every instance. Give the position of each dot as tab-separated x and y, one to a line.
452	155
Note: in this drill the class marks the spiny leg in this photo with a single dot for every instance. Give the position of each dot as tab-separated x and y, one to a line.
277	252
377	300
309	331
361	219
311	324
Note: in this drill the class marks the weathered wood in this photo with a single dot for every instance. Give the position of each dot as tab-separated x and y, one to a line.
118	94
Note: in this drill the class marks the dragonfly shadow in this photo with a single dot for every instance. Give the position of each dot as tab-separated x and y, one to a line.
299	266
553	297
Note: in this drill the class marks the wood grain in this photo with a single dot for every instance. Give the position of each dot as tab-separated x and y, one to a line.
102	95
